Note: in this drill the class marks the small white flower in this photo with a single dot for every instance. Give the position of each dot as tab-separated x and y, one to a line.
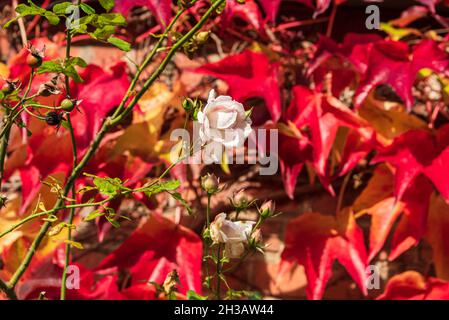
234	234
224	121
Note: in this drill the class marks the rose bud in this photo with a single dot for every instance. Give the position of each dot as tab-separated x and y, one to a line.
267	209
201	37
240	200
210	183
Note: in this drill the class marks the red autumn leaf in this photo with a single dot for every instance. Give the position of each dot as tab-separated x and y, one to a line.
378	200
411	285
160	8
97	100
429	157
354	50
156	248
392	63
49	151
323	116
248	12
294	152
430	3
249	74
271	7
316	241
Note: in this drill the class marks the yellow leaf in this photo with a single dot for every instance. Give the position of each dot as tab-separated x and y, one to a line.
389	119
4	71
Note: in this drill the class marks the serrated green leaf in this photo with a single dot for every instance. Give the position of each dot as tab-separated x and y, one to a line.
77	61
53	66
161	187
107	4
119	43
87	9
71	72
24	10
103	33
62	8
107	186
112	19
51	17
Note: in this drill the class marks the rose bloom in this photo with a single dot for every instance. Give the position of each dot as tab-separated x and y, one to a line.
223	121
233	234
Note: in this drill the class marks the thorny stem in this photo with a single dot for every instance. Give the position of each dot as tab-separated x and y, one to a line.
4	147
145	64
68	247
107	124
167	59
14	116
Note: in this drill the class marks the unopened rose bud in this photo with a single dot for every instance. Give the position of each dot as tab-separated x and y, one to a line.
210	183
201	37
240	200
267	209
188	105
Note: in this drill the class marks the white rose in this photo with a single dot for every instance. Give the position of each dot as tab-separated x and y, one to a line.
223	121
227	231
234	250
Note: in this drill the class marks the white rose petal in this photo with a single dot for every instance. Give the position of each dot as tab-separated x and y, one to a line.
223	120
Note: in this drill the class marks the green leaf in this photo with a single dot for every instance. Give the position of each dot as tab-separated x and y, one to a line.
52	18
113	222
93	215
161	187
107	4
74	244
87	9
107	186
119	43
77	61
177	196
111	19
24	10
53	66
62	8
192	295
103	33
71	72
